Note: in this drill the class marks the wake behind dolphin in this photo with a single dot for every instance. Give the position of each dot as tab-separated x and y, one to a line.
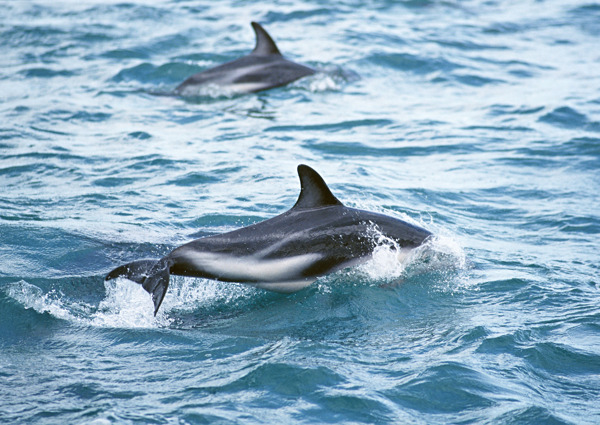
317	236
264	68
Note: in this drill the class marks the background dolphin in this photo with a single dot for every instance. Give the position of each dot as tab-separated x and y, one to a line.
262	69
318	235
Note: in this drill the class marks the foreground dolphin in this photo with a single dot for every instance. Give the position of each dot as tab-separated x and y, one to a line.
318	235
262	69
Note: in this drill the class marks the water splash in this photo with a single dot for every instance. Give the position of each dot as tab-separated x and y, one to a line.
127	305
391	264
32	297
188	294
331	78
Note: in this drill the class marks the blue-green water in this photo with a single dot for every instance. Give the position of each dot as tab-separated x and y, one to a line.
480	120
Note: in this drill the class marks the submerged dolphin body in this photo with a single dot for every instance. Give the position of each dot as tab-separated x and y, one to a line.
262	69
318	235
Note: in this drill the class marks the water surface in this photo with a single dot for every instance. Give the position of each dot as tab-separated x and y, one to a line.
478	120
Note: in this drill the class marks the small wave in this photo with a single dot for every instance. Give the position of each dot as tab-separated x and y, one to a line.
46	73
567	117
323	83
417	64
170	73
127	305
441	252
457	386
587	18
328	79
334	127
32	297
476	80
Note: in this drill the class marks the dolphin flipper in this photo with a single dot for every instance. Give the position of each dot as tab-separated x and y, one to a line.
153	275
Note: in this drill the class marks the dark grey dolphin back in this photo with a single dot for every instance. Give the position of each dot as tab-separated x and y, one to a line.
314	192
264	43
264	68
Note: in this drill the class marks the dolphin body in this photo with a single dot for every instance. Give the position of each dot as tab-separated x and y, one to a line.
262	69
286	253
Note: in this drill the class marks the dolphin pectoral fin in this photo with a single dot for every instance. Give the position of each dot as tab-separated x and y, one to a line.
153	275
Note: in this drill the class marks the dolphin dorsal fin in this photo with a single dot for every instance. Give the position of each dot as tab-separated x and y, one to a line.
264	43
314	192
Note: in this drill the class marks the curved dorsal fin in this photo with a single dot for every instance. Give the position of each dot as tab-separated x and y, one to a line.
314	192
264	43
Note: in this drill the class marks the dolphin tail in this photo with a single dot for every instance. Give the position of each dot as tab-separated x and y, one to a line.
153	275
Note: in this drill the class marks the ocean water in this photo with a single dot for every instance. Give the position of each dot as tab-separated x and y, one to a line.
479	120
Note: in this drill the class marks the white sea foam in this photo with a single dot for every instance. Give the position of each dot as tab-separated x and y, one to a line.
388	260
127	305
392	263
322	82
189	294
32	297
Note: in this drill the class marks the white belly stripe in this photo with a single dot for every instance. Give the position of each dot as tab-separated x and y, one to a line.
252	268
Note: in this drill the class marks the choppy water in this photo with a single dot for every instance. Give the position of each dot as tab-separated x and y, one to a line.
479	120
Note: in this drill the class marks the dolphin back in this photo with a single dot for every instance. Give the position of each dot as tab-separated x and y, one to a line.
153	275
264	68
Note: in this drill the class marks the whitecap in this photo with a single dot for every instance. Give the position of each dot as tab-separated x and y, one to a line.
32	297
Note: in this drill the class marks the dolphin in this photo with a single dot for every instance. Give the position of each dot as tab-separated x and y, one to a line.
286	253
264	68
